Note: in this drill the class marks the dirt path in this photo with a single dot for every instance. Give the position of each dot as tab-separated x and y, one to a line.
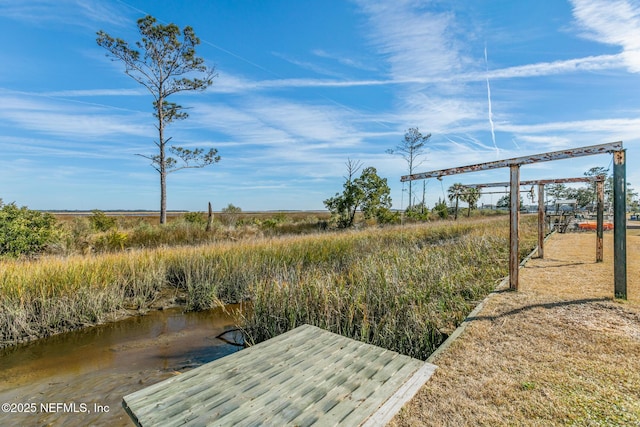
560	351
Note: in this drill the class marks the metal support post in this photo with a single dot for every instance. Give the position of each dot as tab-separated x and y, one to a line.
600	220
514	216
620	224
541	221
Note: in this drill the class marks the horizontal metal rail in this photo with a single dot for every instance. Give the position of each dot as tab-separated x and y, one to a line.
539	181
518	161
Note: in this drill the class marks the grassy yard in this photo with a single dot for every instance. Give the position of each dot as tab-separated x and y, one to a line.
560	351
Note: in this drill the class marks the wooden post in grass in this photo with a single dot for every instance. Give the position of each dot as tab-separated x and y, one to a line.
210	218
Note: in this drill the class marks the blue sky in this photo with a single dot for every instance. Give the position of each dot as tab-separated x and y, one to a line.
303	86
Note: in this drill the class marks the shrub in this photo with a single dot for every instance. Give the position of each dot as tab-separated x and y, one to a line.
417	212
441	209
231	214
101	222
24	231
196	218
112	241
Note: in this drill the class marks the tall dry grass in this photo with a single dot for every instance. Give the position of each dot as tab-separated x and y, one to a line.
403	288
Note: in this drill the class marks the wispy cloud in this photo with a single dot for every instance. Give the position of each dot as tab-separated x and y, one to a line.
344	60
551	136
83	13
590	63
413	39
269	121
56	119
621	125
307	65
228	83
615	22
77	93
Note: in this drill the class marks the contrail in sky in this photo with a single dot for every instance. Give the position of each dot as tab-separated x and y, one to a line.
493	134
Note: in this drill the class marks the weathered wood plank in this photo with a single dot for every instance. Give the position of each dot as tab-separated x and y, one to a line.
306	376
313	367
269	386
223	371
390	408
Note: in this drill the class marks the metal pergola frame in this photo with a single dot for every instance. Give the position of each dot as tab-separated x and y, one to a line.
541	183
619	196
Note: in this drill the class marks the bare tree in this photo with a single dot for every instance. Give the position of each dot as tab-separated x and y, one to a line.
353	166
165	65
411	149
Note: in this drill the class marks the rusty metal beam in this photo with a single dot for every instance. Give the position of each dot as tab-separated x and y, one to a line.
518	161
539	181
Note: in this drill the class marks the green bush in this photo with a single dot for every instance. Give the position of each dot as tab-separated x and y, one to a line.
196	218
441	209
417	212
230	215
101	222
24	231
112	241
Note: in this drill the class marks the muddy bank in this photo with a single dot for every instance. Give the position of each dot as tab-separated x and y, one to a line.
78	378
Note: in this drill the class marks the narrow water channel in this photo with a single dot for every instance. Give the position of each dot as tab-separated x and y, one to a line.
79	378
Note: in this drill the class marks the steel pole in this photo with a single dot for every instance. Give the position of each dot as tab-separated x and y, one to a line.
620	224
600	220
514	216
540	220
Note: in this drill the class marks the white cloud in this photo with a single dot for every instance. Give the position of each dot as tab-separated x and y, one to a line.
77	93
84	13
615	22
60	120
306	122
227	83
271	121
415	42
311	66
612	126
590	63
344	60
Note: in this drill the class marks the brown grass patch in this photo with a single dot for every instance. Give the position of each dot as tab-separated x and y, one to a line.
560	351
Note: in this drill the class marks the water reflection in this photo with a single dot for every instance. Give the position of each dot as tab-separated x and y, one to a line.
99	365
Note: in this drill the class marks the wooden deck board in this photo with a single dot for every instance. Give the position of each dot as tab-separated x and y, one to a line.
306	376
205	382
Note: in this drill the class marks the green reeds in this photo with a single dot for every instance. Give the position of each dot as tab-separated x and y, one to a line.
403	288
405	293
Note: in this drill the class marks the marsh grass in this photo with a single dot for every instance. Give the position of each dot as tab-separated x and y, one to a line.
100	233
403	288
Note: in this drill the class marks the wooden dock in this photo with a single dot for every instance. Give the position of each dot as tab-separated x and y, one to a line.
304	377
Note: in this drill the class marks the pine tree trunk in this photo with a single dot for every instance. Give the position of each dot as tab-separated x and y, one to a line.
163	195
162	165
